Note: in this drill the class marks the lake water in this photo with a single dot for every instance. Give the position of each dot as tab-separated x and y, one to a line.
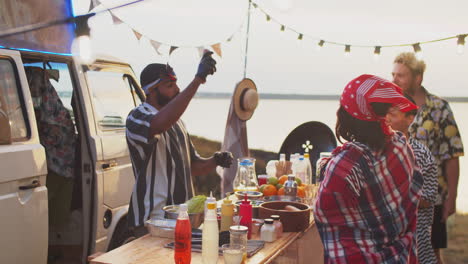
274	119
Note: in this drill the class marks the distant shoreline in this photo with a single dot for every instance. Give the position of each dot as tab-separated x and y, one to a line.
206	95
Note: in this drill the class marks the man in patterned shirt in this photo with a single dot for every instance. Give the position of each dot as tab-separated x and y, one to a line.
401	121
163	157
435	127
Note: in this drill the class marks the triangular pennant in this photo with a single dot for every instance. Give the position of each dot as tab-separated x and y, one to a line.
156	46
115	19
93	4
201	51
172	49
230	38
217	49
137	34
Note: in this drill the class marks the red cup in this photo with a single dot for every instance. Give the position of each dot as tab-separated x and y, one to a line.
262	179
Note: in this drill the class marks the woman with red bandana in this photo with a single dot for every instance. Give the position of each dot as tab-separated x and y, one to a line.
367	203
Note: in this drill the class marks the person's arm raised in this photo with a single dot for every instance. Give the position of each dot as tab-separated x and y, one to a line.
171	112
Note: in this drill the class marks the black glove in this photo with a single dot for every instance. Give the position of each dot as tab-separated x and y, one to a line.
207	66
223	158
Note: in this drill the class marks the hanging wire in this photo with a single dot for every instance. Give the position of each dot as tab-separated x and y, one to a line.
322	41
247	39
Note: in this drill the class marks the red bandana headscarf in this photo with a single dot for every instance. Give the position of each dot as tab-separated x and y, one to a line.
359	93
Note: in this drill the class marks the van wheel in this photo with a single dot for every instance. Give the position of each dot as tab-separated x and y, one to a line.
122	235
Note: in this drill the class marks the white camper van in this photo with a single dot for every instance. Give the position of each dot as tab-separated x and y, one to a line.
89	107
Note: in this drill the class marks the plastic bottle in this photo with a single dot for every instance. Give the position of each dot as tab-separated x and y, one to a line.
323	155
301	169
210	236
282	157
245	210
293	159
183	237
210	199
309	169
227	213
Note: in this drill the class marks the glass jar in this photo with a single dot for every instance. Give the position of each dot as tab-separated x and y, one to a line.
278	225
268	232
238	235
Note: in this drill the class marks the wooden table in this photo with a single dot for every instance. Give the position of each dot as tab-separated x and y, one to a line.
292	247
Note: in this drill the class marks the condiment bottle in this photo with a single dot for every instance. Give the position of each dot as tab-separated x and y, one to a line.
290	186
227	212
183	237
245	211
268	232
210	235
278	225
210	199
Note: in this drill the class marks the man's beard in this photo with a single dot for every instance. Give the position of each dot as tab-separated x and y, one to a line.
164	100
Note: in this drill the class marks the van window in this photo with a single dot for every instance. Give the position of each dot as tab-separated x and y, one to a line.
59	77
113	98
10	101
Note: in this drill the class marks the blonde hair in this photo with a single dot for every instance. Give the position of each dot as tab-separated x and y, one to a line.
409	60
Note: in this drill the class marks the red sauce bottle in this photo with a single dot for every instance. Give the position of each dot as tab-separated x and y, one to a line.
245	210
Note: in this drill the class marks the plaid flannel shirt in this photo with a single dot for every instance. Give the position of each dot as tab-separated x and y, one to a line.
367	204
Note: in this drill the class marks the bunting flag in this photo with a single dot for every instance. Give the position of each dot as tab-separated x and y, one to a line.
115	19
156	46
217	49
200	51
137	34
172	49
93	4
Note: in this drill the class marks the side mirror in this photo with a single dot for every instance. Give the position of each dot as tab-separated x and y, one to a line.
5	129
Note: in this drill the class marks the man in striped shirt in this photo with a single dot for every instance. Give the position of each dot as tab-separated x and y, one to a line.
162	153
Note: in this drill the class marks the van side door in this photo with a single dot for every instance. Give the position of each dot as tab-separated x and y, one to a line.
23	170
112	90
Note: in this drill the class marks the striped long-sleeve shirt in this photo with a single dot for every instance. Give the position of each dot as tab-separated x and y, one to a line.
161	165
428	166
367	203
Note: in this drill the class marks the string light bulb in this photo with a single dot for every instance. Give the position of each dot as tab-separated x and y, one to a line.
268	18
418	51
347	50
461	43
300	36
320	44
377	52
283	28
81	46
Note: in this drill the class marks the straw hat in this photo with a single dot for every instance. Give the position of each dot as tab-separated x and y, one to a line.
245	99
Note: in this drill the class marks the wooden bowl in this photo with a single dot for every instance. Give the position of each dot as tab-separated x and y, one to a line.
293	221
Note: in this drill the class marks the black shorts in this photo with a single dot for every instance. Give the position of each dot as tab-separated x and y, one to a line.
439	229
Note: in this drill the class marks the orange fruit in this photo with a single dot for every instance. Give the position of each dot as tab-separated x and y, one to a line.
283	179
269	190
281	191
301	192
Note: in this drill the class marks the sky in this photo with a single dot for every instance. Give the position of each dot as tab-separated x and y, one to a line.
277	61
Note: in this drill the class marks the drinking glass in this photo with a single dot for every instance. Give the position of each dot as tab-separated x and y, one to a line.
233	254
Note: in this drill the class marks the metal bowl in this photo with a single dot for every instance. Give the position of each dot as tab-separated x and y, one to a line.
251	195
172	212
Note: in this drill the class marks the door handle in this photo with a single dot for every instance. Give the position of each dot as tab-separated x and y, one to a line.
33	185
109	165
